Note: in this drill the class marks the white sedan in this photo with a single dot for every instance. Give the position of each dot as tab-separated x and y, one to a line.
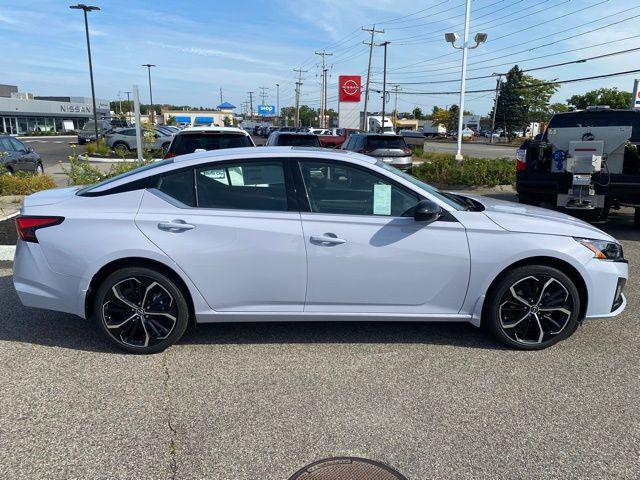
306	234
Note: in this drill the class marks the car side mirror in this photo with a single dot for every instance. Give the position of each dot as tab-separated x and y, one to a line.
30	150
427	211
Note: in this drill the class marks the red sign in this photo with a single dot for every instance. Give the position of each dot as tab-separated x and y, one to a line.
349	88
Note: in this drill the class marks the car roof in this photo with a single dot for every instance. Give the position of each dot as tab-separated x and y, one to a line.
214	129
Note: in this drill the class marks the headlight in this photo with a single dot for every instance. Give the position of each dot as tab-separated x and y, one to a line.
603	249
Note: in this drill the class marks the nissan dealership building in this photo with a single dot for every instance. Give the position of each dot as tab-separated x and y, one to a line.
22	112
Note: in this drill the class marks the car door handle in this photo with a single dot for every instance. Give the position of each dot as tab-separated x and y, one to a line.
327	239
175	226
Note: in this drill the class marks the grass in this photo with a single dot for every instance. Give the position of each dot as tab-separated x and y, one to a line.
24	184
83	173
442	169
100	148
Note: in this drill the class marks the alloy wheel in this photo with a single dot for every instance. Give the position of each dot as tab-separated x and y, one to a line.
535	309
139	312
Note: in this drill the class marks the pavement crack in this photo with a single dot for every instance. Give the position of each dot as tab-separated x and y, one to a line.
173	434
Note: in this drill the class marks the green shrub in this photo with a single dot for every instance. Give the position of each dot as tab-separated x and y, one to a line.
24	184
100	148
81	172
442	169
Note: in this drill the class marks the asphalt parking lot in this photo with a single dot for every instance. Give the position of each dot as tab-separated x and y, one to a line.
259	401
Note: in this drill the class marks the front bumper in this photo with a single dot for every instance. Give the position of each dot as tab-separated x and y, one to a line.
602	283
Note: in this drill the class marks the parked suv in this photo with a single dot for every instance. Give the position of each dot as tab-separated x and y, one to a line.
292	139
88	132
391	149
124	140
16	157
208	138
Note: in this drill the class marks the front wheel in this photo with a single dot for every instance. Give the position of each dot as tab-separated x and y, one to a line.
532	307
39	169
141	310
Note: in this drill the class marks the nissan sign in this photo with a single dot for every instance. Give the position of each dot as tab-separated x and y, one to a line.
75	108
349	88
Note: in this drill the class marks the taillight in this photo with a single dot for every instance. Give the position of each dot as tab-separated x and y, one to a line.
521	160
407	151
27	226
169	155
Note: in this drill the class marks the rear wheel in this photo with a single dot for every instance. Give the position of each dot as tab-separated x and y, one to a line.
141	310
39	169
121	148
532	307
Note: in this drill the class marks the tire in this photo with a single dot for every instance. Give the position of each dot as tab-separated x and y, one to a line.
120	313
527	200
636	217
81	141
121	148
39	169
10	171
516	319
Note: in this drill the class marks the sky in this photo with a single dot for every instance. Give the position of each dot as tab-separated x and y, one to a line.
200	47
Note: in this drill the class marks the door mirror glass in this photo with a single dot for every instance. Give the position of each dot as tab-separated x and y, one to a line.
427	211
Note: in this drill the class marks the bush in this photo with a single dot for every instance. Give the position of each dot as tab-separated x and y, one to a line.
100	148
442	169
83	173
24	184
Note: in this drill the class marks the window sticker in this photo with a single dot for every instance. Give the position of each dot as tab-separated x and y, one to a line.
382	199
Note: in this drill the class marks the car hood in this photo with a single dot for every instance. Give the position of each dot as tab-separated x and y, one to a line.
517	217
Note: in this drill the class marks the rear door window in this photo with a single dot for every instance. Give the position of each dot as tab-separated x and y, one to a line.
298	141
189	143
5	145
245	185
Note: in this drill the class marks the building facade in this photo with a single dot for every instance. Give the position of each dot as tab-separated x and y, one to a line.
21	113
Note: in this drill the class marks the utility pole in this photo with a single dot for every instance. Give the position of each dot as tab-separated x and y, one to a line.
384	82
396	89
373	31
250	105
278	103
298	85
128	107
221	102
263	94
323	101
85	9
495	107
152	114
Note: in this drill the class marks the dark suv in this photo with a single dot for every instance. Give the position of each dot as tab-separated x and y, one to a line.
391	149
16	157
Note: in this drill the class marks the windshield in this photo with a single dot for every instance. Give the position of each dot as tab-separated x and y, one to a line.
385	141
452	200
298	141
188	143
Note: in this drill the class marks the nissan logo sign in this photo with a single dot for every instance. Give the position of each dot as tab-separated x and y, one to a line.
350	87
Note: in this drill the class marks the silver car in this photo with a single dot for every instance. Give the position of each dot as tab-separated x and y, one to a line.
123	140
391	149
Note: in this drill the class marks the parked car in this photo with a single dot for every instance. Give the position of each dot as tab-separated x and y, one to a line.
15	157
292	139
413	138
306	234
171	128
208	138
123	141
88	132
337	137
391	149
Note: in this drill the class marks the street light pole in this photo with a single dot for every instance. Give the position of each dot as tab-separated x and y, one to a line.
278	103
152	116
495	107
384	82
85	9
452	38
128	107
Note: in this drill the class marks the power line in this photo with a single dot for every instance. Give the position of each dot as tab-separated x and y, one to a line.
540	84
582	60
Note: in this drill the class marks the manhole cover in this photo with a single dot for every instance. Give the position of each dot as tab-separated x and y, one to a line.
347	468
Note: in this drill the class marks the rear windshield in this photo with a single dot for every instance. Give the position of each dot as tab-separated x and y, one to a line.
385	141
598	119
298	141
189	142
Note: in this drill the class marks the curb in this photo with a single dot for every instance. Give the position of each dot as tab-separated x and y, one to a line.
7	252
111	160
45	137
10	216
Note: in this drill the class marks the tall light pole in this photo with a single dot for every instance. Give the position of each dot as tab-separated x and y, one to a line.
452	38
495	106
152	116
128	107
384	83
278	103
85	9
372	31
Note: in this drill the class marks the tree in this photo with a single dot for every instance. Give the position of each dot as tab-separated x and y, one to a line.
448	118
417	113
452	118
171	120
558	108
601	96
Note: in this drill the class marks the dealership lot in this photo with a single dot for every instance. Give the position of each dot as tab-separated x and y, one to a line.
247	401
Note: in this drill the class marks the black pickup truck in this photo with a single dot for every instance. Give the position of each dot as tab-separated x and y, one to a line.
540	179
